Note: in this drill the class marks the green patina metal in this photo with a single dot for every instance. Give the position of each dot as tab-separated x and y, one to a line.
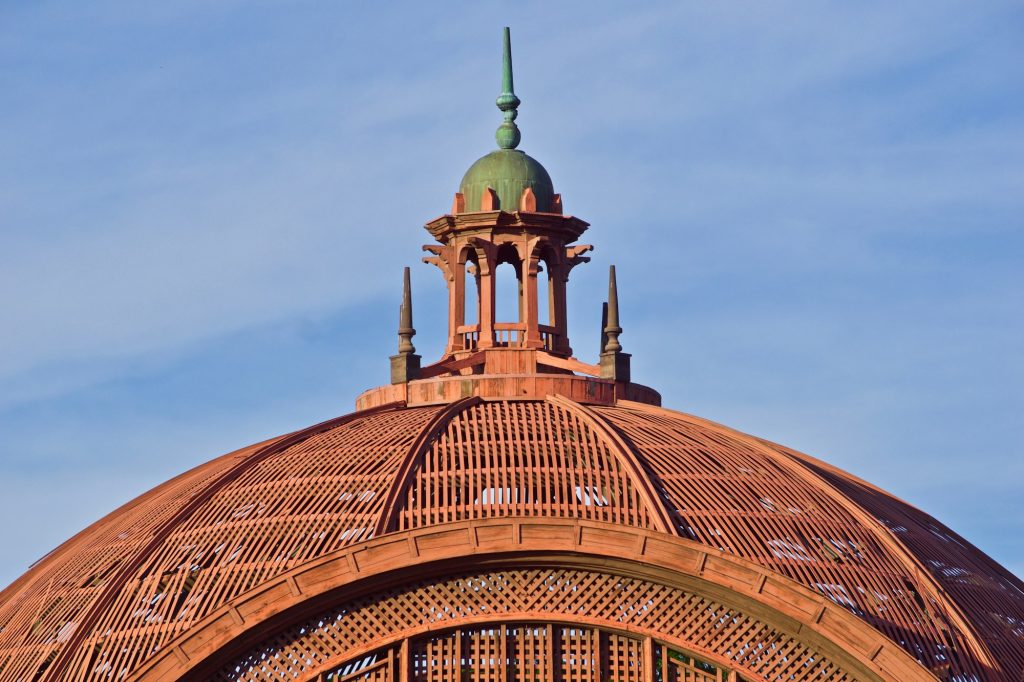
507	171
508	133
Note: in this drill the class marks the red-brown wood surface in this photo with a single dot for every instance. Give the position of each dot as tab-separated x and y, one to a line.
729	611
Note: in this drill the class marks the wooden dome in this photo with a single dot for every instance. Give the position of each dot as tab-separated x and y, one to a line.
738	553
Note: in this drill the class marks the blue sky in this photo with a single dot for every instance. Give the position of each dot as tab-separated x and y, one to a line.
815	210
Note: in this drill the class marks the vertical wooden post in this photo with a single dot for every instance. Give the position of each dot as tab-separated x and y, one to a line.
457	304
503	652
557	282
458	654
485	279
404	664
647	672
531	307
549	658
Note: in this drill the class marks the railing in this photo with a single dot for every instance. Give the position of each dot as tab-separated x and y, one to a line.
550	337
470	335
508	335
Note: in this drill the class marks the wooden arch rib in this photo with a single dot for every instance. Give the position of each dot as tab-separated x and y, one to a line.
367	567
628	458
113	587
799	465
391	507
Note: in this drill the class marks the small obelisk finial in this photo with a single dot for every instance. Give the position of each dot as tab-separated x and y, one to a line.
614	363
406	365
612	328
405	330
508	133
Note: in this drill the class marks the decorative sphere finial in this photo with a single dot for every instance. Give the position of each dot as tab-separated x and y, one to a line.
508	133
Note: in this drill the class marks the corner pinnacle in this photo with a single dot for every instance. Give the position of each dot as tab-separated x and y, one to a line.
612	328
614	363
405	366
405	329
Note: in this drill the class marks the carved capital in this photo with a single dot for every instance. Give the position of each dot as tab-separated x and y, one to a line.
574	256
442	258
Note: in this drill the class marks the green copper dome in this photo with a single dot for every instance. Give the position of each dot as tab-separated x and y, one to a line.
508	172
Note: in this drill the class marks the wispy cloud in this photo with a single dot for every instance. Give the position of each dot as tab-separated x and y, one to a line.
815	209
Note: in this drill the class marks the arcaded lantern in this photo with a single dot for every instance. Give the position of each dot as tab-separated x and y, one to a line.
511	513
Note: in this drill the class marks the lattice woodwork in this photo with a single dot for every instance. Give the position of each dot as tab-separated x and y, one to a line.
319	495
733	493
978	586
520	459
40	612
565	602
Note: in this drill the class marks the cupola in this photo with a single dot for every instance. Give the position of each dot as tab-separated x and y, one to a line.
507	214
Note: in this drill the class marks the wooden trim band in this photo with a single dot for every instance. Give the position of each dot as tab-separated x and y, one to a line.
371	565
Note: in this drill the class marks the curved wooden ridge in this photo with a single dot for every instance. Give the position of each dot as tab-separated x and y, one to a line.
806	617
632	463
386	521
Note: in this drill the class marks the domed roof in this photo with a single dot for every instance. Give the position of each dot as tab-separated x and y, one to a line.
139	579
508	172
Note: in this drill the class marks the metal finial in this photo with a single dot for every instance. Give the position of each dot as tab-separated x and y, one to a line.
612	329
405	330
508	133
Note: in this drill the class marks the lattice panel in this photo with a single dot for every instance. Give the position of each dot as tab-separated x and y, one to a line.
976	583
557	653
550	593
39	616
520	458
674	666
315	497
742	498
376	667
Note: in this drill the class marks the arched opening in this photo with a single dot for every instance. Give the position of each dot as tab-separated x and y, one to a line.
506	293
471	292
508	296
545	311
545	289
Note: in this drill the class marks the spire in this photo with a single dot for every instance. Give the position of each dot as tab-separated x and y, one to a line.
508	133
406	365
